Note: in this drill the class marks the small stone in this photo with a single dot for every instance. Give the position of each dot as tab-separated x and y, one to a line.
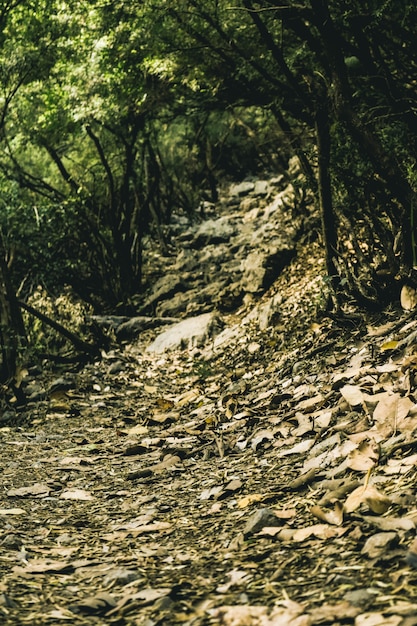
259	519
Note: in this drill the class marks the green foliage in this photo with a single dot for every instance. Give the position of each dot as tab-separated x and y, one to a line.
114	115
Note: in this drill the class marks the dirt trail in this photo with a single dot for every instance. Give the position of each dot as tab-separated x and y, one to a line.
270	481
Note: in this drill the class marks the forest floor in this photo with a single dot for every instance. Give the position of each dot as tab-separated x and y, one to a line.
269	482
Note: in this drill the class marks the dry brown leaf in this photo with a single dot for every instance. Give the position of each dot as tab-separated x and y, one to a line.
305	479
352	394
98	604
377	619
168	462
386	412
400	466
328	613
187	397
240	615
390	523
379	331
36	490
408	297
162	417
273	531
322	418
377	501
76	494
51	567
144	597
250	499
321	531
151	389
138	430
59	616
288	613
15	511
148	528
237	578
310	403
302	446
76	460
364	457
334	517
211	492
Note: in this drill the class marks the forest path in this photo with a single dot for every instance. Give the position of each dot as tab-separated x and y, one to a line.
270	480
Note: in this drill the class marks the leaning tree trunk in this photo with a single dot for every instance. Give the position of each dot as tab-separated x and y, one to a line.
11	323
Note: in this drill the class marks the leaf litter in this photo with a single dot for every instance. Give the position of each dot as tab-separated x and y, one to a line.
231	486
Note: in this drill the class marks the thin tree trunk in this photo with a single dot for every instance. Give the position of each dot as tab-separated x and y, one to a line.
329	232
11	323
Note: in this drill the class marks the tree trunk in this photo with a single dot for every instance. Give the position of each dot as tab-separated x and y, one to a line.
329	232
11	323
385	164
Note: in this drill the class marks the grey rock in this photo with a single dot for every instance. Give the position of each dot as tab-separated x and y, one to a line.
174	306
189	333
268	313
108	321
226	257
360	597
213	232
133	326
259	519
166	287
261	268
241	189
261	188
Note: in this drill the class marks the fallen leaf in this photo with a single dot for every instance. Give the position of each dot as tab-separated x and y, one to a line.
75	460
302	446
329	516
389	345
364	457
352	394
377	501
51	567
36	490
287	613
400	466
144	597
385	413
377	619
236	579
149	528
390	523
408	297
328	613
246	501
60	615
76	494
138	430
96	605
211	492
310	403
15	511
321	531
